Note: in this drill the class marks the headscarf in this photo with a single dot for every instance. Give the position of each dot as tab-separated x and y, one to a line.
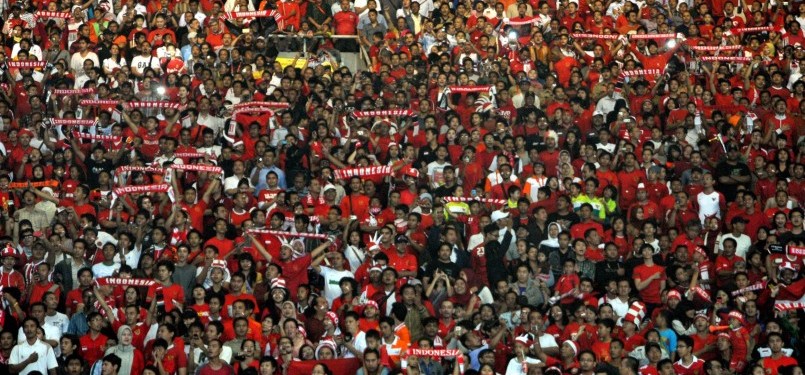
125	352
552	242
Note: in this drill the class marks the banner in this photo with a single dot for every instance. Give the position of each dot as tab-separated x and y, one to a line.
362	172
384	113
280	233
341	366
85	91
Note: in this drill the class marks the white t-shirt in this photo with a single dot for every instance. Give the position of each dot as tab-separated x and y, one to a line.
21	352
332	279
102	270
59	321
709	204
139	63
515	367
359	342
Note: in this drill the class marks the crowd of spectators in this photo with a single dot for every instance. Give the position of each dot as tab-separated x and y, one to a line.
512	187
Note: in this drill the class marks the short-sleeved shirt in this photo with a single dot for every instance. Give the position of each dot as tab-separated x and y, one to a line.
651	294
23	350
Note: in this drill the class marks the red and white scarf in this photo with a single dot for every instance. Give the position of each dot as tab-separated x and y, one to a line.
46	14
154	104
280	233
595	36
23	64
796	250
787	306
652	36
98	137
198	168
759	29
156	188
468	89
751	288
362	172
98	102
132	168
531	21
88	90
715	48
732	59
73	121
470	199
190	155
384	113
639	72
124	282
262	104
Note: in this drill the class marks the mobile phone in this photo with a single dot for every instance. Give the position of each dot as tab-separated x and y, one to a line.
474	192
246	31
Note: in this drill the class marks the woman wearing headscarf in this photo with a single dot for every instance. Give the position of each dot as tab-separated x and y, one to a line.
131	359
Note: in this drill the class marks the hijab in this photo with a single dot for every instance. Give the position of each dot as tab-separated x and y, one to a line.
125	352
551	242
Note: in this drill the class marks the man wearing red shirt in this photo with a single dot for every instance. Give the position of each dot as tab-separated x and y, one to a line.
401	259
725	263
345	22
777	358
649	279
355	203
630	177
165	291
687	364
93	342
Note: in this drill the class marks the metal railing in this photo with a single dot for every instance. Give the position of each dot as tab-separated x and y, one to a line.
362	52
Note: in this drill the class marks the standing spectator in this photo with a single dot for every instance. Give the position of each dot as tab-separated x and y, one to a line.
32	355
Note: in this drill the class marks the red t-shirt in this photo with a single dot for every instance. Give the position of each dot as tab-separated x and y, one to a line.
695	368
651	294
170	294
92	349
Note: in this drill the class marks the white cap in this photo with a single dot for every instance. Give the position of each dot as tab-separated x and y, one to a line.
497	215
